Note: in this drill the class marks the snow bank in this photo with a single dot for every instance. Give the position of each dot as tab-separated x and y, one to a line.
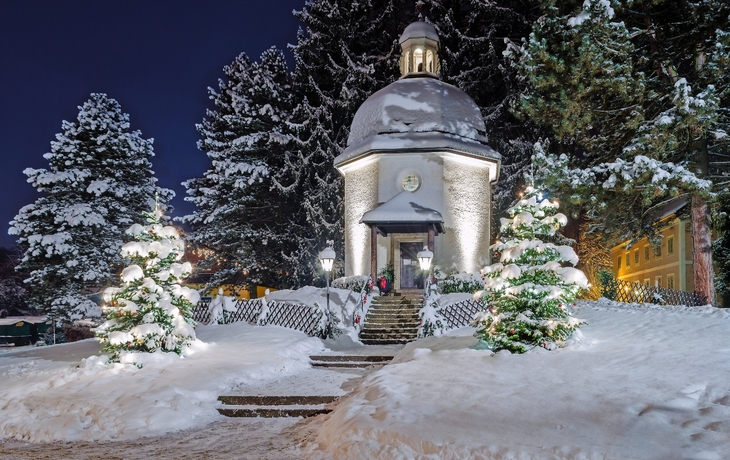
647	382
43	400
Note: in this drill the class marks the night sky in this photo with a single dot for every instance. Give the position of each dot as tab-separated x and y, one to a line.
156	57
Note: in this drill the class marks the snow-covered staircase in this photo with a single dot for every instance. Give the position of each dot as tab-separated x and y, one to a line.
347	365
391	320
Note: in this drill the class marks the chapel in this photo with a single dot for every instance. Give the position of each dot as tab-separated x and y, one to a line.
418	172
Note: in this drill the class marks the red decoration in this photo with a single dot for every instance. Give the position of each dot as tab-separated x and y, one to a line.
511	331
357	320
134	314
382	283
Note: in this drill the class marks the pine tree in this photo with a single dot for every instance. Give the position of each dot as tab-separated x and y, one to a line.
151	311
240	216
98	182
529	290
620	83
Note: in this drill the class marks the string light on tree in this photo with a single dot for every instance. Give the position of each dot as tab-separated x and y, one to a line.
528	288
151	311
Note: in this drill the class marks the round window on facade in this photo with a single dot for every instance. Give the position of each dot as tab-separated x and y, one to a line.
411	182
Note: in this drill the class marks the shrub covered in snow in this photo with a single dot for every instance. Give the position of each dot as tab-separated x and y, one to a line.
460	282
151	311
530	288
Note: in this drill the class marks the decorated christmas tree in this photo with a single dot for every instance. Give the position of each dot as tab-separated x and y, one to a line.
531	287
151	311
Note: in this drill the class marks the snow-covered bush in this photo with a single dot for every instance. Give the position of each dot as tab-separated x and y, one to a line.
151	311
461	282
360	283
530	288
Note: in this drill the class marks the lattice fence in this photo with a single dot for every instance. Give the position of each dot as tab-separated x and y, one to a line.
300	317
293	316
461	313
201	312
625	291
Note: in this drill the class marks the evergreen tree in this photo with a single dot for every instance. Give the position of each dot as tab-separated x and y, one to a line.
346	51
245	223
98	182
151	311
529	290
637	83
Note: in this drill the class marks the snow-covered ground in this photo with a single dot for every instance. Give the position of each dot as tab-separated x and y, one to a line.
648	382
53	399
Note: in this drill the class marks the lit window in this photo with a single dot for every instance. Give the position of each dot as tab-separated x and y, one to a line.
628	259
646	253
618	263
670	245
647	281
658	281
636	257
429	61
418	60
658	251
408	62
670	281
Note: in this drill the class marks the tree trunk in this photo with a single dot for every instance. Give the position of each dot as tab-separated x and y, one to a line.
702	249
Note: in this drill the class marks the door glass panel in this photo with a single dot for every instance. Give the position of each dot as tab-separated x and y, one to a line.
410	271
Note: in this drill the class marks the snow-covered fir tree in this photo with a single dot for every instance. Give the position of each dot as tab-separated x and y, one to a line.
534	283
241	217
150	311
98	182
628	86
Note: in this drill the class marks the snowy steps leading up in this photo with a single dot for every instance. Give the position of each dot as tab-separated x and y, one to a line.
391	320
275	406
300	406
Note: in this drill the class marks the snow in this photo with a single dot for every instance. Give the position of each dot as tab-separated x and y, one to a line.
646	382
419	29
45	399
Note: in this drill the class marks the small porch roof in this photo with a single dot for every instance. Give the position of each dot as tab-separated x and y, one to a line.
403	214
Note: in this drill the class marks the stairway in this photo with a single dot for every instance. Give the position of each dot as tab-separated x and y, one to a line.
302	406
391	320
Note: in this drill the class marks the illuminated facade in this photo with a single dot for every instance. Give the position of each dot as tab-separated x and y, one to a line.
418	172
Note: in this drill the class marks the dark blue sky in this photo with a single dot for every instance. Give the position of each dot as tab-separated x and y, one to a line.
156	57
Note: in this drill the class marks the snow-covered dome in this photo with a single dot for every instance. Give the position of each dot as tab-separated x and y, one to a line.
419	30
419	112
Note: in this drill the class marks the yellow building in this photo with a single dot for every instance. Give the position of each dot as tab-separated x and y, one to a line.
668	266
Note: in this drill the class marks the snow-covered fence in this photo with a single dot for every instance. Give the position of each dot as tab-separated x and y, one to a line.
461	313
201	312
294	316
625	291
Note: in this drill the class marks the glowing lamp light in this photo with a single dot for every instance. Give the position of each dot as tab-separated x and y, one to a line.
327	258
424	258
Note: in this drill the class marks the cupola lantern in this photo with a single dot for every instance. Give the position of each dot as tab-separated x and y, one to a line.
419	50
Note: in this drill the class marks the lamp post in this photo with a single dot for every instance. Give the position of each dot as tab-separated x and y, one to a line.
327	258
424	259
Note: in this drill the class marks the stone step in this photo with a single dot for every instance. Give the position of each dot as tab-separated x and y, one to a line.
396	302
386	336
388	341
349	365
390	330
275	400
350	358
393	320
273	411
390	327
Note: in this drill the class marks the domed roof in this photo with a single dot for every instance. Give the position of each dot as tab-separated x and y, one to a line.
418	114
418	30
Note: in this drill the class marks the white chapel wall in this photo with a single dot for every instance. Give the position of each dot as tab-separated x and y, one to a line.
467	203
361	195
